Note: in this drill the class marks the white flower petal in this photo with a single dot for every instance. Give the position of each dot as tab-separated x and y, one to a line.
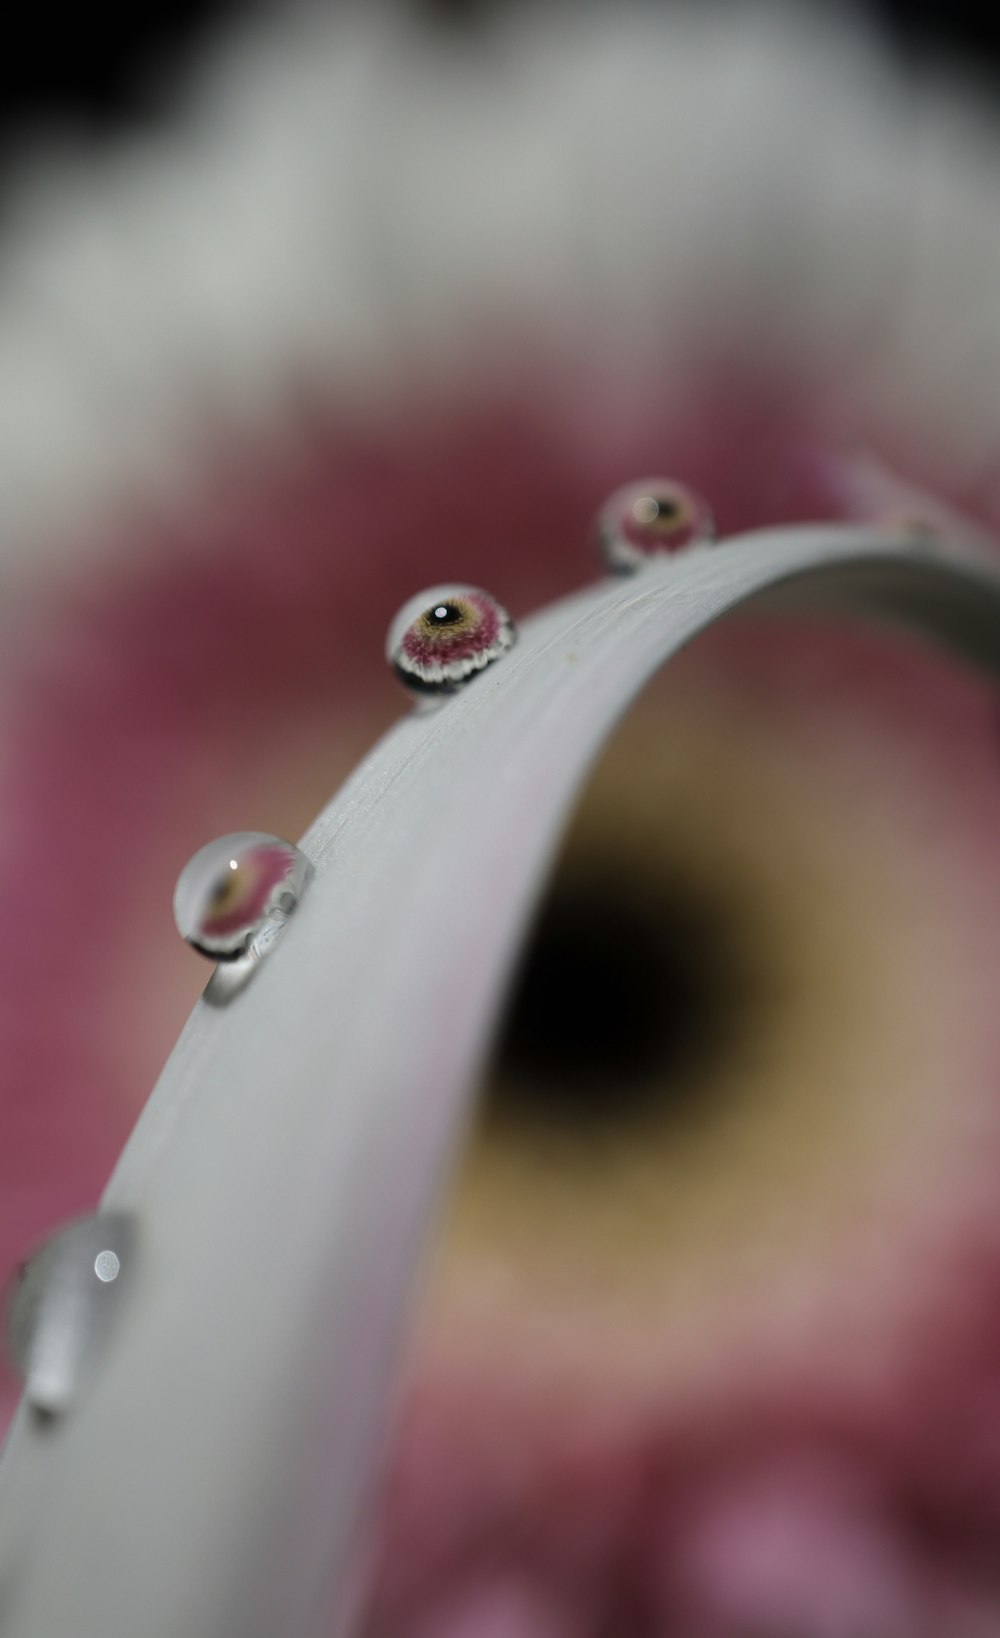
287	1167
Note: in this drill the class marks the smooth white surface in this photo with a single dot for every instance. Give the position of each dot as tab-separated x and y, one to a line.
210	1481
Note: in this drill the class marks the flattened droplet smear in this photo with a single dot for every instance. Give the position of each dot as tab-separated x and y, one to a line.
234	897
62	1305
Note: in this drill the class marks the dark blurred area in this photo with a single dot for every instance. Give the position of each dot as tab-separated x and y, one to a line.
95	72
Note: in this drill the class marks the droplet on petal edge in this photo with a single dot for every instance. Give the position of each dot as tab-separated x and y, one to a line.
61	1305
234	897
653	517
922	531
863	489
445	636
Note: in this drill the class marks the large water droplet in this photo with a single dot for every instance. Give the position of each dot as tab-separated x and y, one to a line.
235	896
648	519
443	637
62	1304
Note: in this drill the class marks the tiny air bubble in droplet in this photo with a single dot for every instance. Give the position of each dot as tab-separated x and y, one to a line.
443	637
237	893
651	518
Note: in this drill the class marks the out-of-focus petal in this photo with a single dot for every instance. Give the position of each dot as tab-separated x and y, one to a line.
342	206
797	1550
268	372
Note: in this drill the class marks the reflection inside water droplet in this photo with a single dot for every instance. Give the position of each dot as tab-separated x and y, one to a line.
649	519
444	637
234	897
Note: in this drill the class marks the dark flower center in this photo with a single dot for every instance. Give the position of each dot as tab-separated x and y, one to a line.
627	998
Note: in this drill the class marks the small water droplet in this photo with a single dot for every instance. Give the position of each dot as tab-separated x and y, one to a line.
443	637
236	895
651	518
917	527
62	1304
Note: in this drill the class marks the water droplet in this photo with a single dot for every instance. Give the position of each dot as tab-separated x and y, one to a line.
445	636
235	896
62	1304
917	527
649	519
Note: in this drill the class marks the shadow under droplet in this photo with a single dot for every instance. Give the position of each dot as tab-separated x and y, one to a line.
229	980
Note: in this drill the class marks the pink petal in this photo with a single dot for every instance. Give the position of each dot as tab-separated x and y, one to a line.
796	1549
497	1604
